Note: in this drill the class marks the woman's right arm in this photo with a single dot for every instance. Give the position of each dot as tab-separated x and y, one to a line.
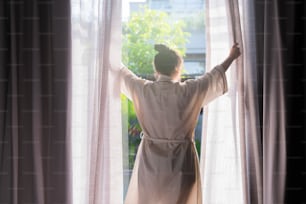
234	54
214	83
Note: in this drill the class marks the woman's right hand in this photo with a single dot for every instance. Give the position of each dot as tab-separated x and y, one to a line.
235	51
234	54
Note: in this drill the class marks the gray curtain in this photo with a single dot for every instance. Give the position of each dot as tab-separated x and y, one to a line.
264	60
274	132
293	37
242	15
34	101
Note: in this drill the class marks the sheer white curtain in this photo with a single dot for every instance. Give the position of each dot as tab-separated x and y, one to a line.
231	147
96	114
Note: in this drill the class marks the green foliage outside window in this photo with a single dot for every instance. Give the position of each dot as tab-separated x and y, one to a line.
142	31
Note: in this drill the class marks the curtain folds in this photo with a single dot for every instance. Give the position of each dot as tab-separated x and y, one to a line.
243	31
255	105
97	151
221	154
274	123
238	111
34	107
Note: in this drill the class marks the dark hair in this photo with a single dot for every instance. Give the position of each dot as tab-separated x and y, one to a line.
166	60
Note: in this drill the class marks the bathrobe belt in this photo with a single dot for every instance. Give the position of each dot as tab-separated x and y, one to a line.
147	137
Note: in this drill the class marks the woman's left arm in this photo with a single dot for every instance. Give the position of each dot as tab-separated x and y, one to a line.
129	82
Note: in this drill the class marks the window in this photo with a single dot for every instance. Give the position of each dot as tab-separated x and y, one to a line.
192	45
84	39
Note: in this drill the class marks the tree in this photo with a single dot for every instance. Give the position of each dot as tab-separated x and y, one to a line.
142	31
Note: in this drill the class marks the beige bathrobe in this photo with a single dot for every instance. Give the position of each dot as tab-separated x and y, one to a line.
166	169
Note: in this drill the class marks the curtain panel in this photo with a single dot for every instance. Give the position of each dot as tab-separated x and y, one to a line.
256	105
293	38
34	102
221	156
96	116
243	30
259	70
270	66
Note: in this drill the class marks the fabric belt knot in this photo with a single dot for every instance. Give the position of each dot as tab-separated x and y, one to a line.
145	136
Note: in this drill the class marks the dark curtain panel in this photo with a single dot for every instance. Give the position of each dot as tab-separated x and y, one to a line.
34	96
293	24
274	118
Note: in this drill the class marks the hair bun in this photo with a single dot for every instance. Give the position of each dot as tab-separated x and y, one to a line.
161	48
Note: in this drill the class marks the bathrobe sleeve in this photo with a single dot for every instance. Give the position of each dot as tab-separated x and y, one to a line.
209	86
129	82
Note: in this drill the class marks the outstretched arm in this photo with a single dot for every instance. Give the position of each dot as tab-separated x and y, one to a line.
129	82
214	83
127	78
234	54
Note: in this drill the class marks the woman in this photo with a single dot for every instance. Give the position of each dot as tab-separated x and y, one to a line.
166	169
